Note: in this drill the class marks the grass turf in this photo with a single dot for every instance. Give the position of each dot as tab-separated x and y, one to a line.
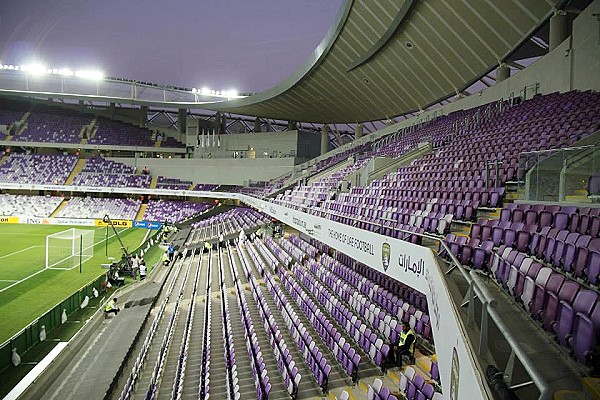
22	254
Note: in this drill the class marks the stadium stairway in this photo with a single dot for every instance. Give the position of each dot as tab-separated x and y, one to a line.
58	209
337	377
192	375
154	182
140	214
246	380
76	170
278	390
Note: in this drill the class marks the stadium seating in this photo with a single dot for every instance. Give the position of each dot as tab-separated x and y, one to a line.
450	183
172	183
101	165
206	187
98	171
111	132
173	211
228	223
93	207
53	128
35	206
37	168
8	117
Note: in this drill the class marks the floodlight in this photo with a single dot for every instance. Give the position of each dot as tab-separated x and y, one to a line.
233	93
34	69
194	90
65	72
205	91
88	74
11	67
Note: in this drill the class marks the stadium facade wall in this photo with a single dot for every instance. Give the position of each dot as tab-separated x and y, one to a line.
299	144
224	171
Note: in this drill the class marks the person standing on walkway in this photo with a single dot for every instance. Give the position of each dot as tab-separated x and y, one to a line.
171	250
142	270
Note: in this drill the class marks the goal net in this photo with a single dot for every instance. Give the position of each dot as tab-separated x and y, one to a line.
66	249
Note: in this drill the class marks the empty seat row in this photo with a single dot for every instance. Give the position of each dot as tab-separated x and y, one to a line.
563	306
343	351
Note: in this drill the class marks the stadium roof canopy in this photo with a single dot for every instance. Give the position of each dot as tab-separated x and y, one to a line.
386	58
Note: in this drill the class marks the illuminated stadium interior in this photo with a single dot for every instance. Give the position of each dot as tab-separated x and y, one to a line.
431	171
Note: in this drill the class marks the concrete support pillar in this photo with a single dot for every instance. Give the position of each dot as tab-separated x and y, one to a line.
358	131
324	139
223	126
111	110
502	73
143	116
182	120
257	127
217	125
559	29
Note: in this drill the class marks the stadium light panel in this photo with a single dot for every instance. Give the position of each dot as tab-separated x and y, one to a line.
35	69
65	72
89	74
205	91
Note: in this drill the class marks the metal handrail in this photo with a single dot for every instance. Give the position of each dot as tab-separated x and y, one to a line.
560	150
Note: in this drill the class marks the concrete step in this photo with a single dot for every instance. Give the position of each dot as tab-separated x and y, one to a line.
140	214
59	208
76	170
218	369
337	376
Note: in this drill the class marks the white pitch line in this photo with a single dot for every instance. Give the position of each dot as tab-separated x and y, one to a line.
17	252
7	280
22	280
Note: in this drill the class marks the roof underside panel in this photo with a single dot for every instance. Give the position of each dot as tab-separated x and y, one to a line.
386	58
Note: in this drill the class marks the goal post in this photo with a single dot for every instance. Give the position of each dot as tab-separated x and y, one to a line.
69	248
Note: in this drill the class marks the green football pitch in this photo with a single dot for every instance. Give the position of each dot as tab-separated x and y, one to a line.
28	289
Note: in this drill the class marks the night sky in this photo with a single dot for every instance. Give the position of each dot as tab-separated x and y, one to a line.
248	45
